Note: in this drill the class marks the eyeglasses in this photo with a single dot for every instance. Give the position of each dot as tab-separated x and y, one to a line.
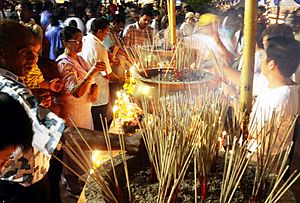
76	41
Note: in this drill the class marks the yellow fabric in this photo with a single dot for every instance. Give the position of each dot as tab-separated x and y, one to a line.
207	19
33	78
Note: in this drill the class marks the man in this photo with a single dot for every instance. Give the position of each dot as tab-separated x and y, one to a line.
112	43
274	89
53	36
140	33
23	178
155	24
116	27
94	51
24	13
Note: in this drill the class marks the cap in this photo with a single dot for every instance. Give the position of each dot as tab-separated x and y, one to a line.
206	19
189	15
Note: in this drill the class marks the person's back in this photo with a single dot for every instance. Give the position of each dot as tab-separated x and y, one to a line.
53	36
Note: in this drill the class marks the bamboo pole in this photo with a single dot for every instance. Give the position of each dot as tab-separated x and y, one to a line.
248	64
172	22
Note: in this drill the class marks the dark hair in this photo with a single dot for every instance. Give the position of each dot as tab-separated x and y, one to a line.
26	4
10	31
119	19
231	19
279	30
61	13
156	13
99	24
262	9
68	32
147	11
285	53
259	39
53	20
188	8
73	23
12	115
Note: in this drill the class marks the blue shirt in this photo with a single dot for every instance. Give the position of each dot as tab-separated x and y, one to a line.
53	36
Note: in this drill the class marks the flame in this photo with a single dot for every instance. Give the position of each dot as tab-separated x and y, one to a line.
115	108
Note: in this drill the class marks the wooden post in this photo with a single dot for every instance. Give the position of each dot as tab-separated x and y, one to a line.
248	62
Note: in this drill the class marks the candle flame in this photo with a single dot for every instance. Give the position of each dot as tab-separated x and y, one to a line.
115	108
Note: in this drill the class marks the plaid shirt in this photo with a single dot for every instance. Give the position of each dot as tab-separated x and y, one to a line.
28	167
134	35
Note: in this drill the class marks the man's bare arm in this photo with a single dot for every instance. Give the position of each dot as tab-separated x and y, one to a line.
96	139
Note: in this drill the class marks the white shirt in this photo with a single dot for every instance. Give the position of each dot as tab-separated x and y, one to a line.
283	100
92	52
88	25
186	29
80	24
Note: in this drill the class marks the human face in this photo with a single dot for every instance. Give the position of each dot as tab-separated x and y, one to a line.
75	44
144	21
103	33
190	21
119	27
102	10
20	56
23	13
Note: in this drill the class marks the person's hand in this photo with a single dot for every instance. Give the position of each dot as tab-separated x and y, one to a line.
133	142
215	30
230	89
55	85
99	66
44	97
121	52
115	61
94	93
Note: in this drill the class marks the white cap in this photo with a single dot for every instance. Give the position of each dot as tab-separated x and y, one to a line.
189	15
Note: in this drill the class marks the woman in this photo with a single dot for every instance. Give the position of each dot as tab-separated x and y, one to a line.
79	91
77	96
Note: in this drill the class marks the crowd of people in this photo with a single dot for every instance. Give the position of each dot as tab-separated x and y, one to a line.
63	63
